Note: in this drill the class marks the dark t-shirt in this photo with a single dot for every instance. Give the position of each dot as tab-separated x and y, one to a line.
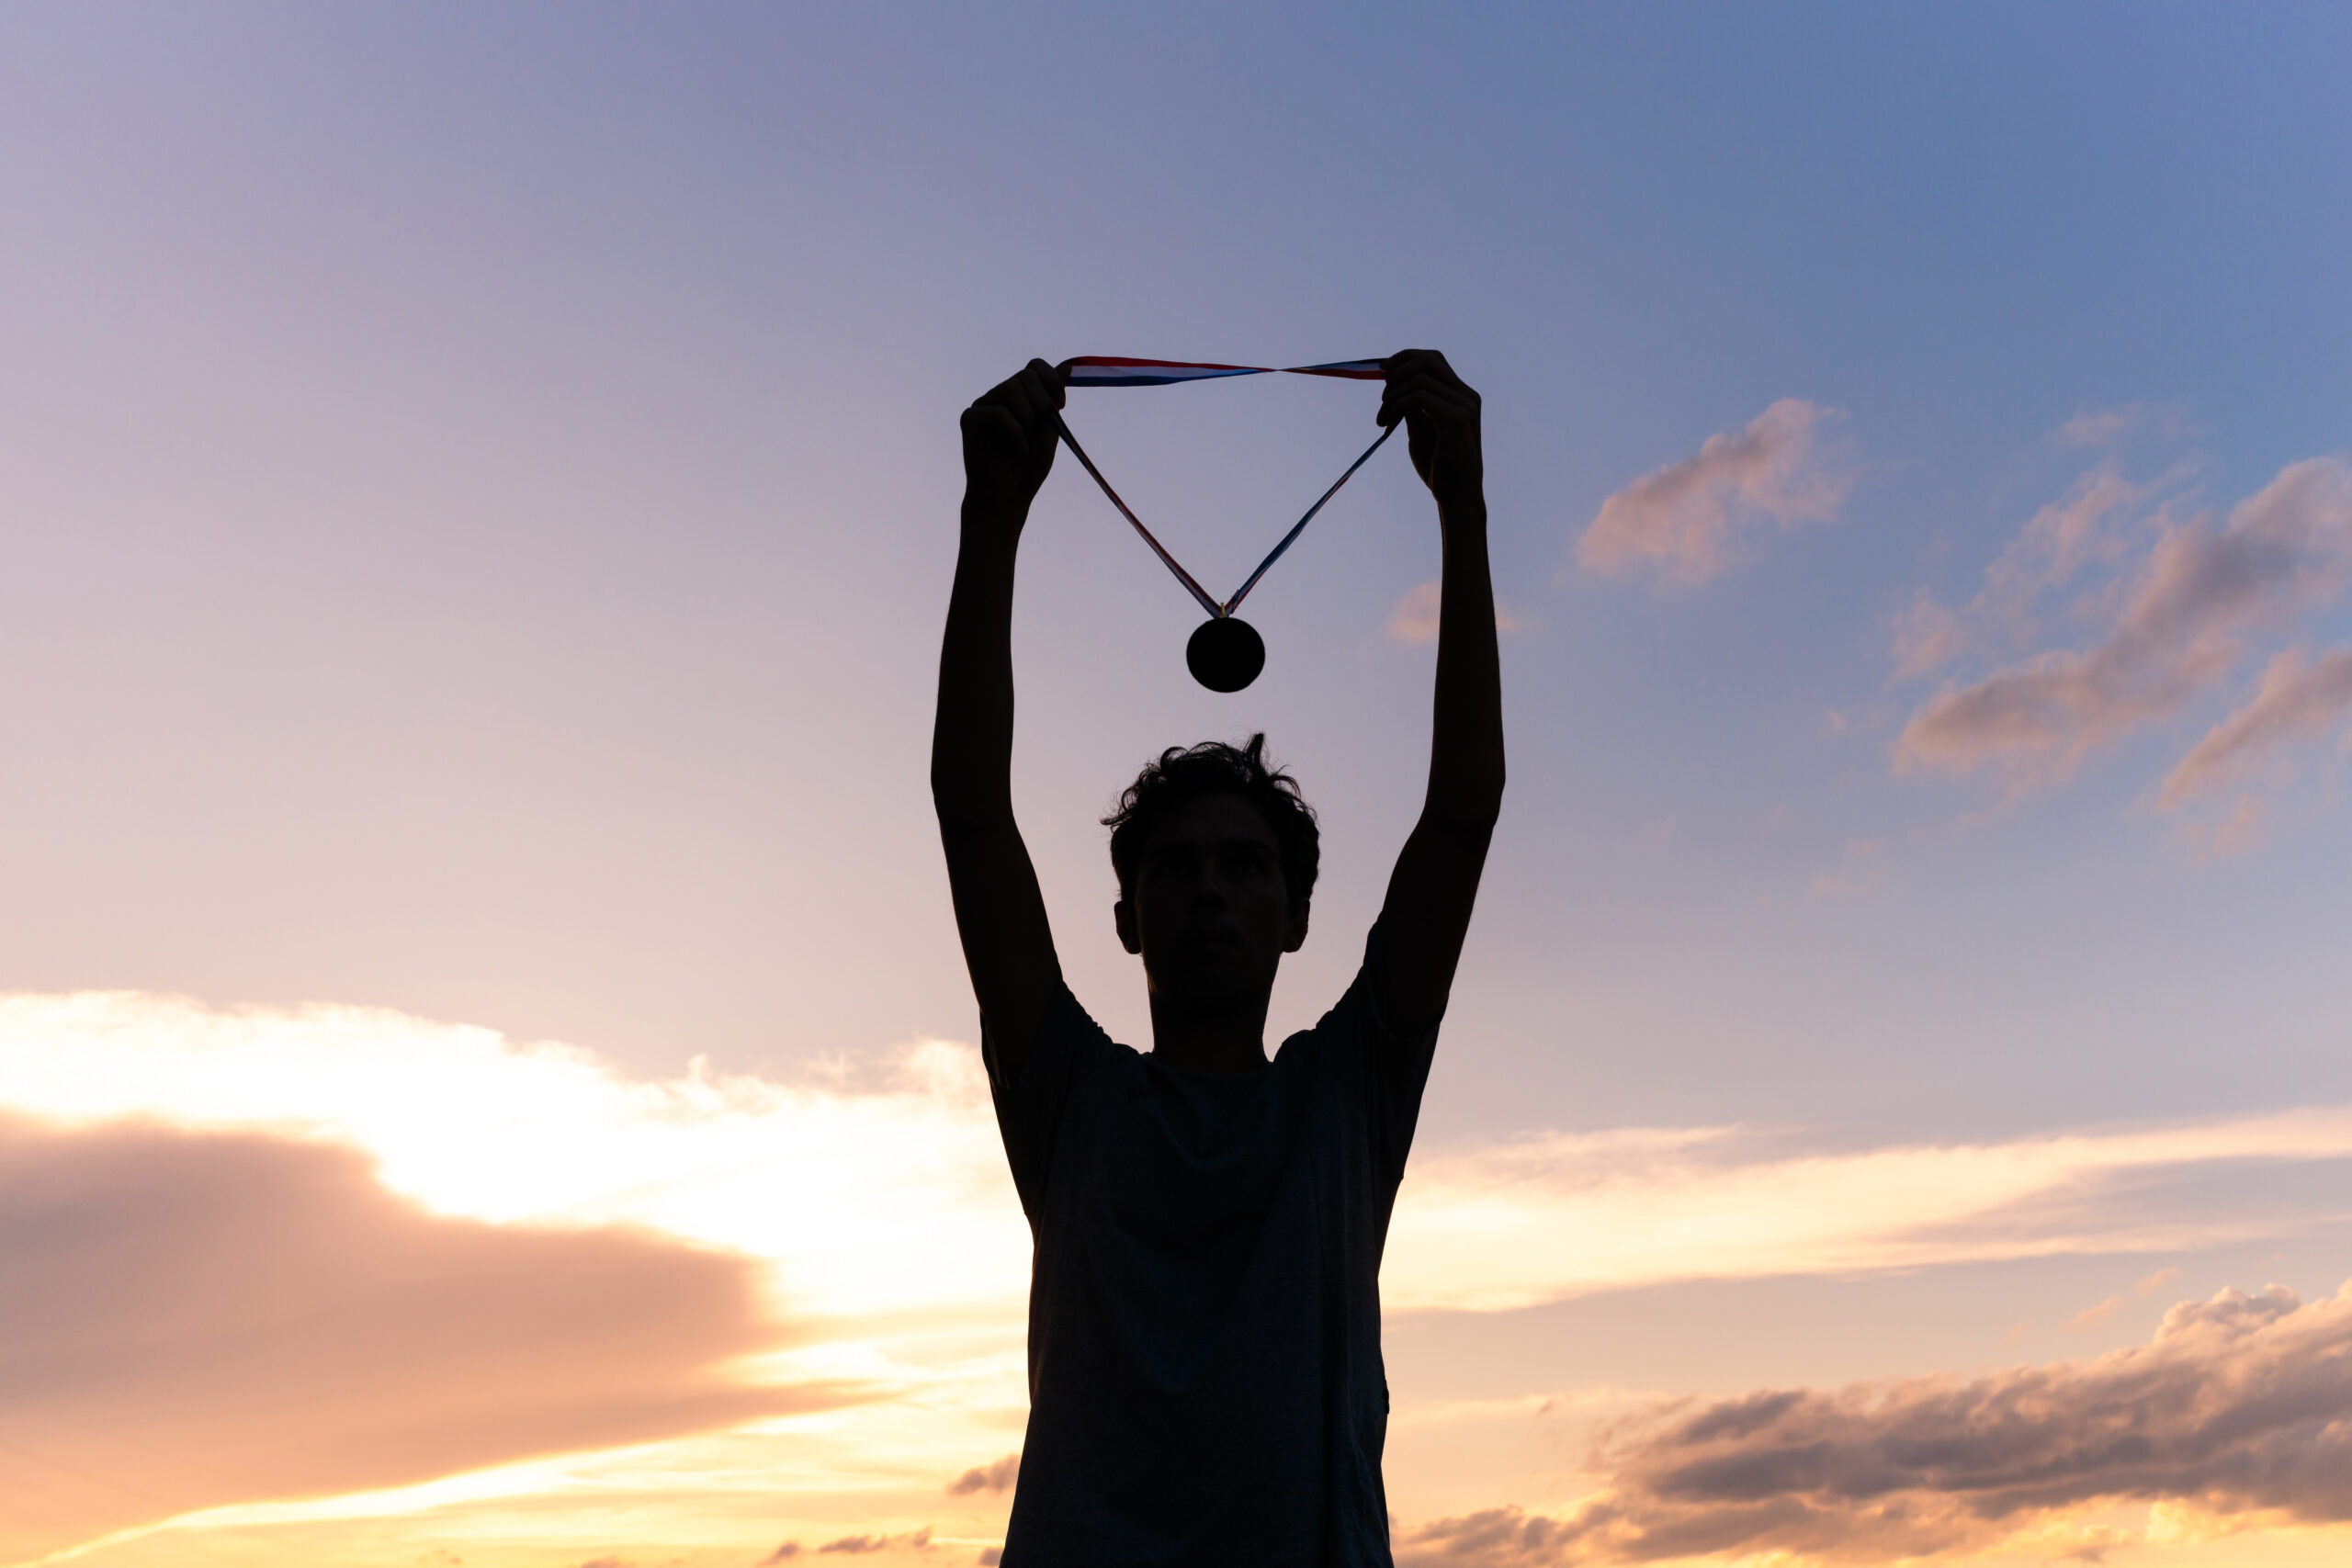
1204	1375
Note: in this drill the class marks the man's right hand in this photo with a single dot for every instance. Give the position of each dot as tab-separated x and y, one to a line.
1008	441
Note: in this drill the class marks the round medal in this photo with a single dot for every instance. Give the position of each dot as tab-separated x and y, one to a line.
1224	654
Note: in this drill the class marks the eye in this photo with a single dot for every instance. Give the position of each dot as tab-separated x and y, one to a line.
1249	860
1171	862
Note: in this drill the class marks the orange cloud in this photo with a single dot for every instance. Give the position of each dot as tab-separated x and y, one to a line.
196	1319
997	1477
1686	518
2241	1404
857	1545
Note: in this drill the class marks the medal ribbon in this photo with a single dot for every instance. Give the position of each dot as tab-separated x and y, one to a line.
1098	371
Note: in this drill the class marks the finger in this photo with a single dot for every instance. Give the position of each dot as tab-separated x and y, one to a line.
1049	381
1435	400
1043	385
1030	402
1408	361
1014	402
1432	395
1424	367
996	396
1442	387
989	419
1430	375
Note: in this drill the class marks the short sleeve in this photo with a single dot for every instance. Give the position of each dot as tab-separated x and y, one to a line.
1391	1069
1031	1105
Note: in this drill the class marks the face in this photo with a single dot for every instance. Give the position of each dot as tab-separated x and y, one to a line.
1209	909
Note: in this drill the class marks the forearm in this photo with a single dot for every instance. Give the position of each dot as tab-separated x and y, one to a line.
971	738
1465	787
1000	913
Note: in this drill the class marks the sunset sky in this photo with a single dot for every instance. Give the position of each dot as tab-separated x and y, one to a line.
486	1072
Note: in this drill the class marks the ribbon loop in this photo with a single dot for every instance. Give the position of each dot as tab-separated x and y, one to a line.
1094	370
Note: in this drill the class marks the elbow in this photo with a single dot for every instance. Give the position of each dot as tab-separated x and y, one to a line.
1472	806
1471	818
1480	817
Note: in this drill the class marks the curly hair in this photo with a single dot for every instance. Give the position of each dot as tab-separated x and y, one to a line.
1182	774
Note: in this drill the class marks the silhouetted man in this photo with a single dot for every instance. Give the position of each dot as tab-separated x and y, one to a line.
1205	1377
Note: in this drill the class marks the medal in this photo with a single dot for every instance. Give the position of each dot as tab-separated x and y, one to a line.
1225	652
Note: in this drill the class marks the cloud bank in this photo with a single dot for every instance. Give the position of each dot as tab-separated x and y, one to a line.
1687	519
876	1226
2241	1404
197	1318
898	1197
896	1201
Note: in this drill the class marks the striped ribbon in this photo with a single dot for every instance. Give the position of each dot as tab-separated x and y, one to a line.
1097	370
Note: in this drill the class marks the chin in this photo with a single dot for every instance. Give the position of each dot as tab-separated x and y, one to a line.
1216	993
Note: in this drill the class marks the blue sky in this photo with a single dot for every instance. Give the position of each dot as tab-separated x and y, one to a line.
488	376
480	487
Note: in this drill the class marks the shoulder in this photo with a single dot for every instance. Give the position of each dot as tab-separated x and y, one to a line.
1356	1049
1066	1043
1358	1012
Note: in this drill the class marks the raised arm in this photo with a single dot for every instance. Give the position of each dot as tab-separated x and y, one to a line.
1008	439
1436	881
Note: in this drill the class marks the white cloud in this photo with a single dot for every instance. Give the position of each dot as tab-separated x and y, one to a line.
1686	518
1558	1215
860	1203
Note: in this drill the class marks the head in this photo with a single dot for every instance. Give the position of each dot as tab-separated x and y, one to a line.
1215	854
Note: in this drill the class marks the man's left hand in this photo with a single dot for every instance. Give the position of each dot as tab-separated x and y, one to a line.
1440	415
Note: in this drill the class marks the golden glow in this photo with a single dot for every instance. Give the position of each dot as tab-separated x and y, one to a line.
895	1256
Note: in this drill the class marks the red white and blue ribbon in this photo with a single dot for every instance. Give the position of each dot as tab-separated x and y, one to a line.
1099	370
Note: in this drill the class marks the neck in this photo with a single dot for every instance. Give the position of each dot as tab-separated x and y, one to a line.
1222	1041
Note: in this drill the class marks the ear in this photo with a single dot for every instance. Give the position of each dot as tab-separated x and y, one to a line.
1297	937
1123	916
